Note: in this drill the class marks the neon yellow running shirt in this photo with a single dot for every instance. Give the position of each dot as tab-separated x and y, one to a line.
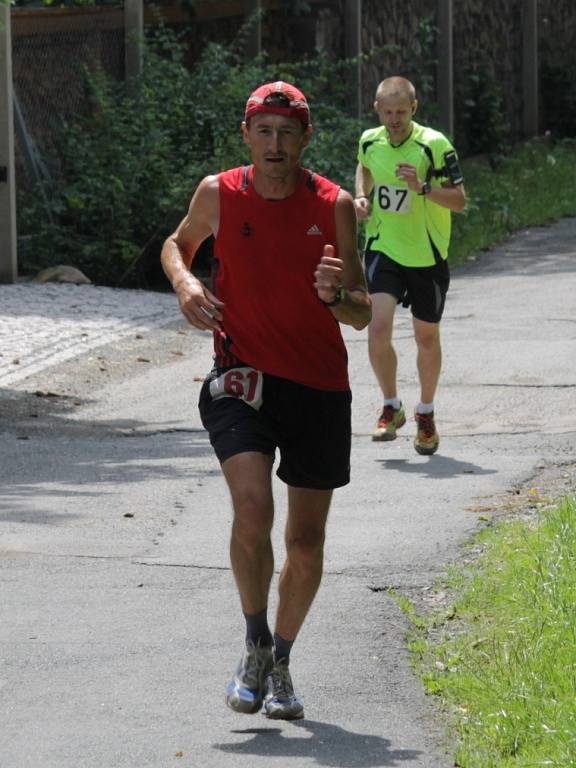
403	224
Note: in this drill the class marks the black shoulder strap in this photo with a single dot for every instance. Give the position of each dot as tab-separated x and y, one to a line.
431	172
366	144
245	180
311	181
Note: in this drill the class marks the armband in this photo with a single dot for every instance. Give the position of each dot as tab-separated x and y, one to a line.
452	167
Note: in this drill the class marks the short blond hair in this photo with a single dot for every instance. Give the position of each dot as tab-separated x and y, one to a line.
396	86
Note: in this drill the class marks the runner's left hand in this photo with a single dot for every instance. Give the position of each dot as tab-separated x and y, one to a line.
408	173
328	274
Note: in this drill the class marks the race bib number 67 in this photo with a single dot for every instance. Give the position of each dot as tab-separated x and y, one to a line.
243	383
393	199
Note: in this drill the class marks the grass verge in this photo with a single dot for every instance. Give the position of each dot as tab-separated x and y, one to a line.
503	658
533	184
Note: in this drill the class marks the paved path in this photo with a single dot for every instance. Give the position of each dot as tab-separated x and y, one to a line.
119	619
45	324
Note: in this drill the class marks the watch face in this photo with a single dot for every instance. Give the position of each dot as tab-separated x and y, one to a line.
338	297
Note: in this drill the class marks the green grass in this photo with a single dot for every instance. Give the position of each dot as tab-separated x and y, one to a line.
503	659
532	184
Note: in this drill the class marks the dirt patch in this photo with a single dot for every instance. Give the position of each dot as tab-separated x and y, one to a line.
62	388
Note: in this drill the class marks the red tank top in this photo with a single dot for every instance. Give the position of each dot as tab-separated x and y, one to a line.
265	254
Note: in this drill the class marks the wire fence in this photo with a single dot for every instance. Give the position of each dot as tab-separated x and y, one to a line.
50	55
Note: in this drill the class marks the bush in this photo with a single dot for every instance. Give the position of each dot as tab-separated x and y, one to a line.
484	129
128	168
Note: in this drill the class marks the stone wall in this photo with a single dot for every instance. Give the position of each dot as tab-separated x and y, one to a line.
487	58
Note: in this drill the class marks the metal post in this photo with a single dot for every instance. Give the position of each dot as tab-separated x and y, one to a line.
133	37
254	39
445	88
353	48
8	252
530	67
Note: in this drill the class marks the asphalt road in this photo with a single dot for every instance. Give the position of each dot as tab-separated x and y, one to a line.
119	621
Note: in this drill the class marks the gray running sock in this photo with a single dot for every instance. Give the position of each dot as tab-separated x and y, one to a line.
282	648
257	629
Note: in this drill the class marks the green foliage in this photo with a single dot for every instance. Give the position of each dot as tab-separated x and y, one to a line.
481	114
532	184
128	168
425	64
59	3
507	665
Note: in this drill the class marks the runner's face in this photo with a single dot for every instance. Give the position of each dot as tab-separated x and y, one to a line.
396	112
276	143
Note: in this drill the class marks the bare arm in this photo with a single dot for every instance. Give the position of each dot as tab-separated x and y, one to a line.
364	184
198	305
355	309
448	195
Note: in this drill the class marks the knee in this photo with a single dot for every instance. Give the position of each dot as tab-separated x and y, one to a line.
253	518
249	538
306	549
380	332
427	341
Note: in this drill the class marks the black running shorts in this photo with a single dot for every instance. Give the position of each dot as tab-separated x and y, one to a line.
423	289
246	410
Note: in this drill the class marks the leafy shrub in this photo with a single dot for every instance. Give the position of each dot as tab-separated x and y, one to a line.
481	113
425	64
129	167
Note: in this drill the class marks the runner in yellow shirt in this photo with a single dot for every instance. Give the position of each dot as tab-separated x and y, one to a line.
408	181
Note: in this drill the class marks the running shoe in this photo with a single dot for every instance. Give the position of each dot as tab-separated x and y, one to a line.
427	439
390	420
245	692
280	702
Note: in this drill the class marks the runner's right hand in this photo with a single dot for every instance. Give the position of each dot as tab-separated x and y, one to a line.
199	305
363	207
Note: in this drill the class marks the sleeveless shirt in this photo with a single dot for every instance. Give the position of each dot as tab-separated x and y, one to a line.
265	256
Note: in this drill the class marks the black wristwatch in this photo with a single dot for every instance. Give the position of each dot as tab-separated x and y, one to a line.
426	188
339	297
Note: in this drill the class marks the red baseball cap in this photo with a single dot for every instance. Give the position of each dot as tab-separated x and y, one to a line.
279	98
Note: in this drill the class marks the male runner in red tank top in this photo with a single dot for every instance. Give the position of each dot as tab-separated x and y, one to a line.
287	273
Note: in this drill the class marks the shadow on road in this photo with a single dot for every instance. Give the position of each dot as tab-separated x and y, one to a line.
327	744
9	513
437	467
77	466
534	251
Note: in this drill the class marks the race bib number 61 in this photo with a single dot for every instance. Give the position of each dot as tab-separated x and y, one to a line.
393	199
243	383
